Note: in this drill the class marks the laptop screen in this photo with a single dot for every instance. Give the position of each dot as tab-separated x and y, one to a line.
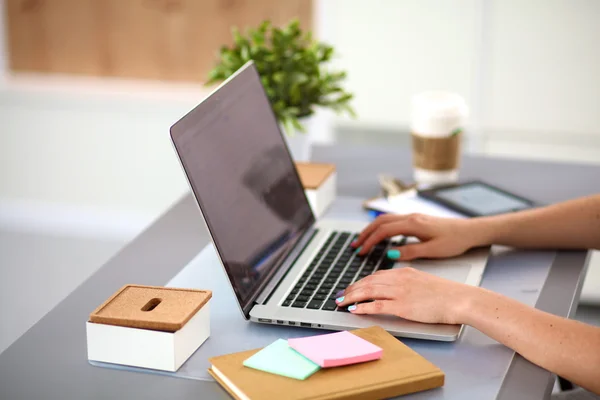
244	180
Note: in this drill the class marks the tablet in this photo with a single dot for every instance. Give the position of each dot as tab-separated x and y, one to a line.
477	199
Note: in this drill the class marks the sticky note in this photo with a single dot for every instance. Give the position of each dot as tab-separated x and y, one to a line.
336	349
280	359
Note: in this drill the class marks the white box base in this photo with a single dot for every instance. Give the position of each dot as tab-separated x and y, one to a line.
321	198
166	351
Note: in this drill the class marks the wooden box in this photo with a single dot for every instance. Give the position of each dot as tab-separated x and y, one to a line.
149	327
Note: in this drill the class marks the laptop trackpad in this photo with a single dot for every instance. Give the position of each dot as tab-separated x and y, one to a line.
446	269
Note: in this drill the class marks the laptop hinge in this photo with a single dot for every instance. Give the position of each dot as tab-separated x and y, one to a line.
285	267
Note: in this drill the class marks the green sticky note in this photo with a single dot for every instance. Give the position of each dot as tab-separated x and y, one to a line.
280	359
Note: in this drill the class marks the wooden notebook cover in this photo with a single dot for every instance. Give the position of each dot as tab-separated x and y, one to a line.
400	371
313	175
151	307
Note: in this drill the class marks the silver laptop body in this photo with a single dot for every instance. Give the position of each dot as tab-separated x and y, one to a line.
284	266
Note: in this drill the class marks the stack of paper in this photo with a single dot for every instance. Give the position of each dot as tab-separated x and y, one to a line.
408	203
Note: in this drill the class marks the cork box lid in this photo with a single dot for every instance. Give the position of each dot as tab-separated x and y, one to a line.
312	174
151	307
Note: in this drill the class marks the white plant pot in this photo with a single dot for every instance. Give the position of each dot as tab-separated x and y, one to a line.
299	144
317	129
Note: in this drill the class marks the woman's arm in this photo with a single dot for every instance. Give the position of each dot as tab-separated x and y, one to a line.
565	347
573	224
568	348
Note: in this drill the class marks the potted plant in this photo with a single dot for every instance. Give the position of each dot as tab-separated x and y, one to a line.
293	70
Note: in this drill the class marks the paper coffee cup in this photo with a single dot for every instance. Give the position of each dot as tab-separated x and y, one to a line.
437	123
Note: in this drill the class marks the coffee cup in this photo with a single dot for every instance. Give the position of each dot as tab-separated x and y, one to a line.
437	123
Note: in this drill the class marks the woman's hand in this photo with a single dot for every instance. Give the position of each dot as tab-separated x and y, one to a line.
410	294
439	237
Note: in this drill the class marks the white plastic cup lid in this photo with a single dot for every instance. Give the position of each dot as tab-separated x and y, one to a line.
438	113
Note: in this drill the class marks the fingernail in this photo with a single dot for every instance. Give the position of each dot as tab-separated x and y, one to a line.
339	294
393	254
353	244
358	250
351	308
339	299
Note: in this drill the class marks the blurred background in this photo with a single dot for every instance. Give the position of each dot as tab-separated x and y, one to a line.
89	89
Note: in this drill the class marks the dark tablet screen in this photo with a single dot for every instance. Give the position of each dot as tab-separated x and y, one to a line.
478	199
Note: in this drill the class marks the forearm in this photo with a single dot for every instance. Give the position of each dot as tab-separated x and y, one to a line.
573	224
565	347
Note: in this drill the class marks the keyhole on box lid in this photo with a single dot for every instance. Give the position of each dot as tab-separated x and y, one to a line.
151	305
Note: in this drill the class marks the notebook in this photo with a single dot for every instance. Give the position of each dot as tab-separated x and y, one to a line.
399	371
279	358
336	349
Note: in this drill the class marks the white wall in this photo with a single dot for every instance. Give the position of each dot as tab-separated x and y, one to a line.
91	147
542	94
543	74
393	49
529	69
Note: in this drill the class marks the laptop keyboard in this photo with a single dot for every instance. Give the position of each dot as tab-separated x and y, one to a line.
334	268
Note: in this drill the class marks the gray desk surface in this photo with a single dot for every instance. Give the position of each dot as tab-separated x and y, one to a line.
49	361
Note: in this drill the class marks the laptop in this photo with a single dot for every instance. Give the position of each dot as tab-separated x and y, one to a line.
284	266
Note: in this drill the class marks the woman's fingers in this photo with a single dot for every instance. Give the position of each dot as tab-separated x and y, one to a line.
375	294
413	251
366	293
410	225
385	231
378	278
382	219
382	232
374	279
374	307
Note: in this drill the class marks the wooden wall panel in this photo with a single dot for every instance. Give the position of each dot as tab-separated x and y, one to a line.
150	39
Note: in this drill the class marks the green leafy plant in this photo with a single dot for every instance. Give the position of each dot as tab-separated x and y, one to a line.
293	71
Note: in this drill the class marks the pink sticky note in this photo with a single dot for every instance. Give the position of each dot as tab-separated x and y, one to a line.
336	349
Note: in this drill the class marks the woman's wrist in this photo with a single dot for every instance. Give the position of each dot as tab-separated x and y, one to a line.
470	299
482	231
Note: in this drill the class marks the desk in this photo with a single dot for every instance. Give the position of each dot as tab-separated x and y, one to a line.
49	361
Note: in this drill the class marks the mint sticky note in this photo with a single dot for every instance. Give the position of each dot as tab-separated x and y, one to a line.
280	359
